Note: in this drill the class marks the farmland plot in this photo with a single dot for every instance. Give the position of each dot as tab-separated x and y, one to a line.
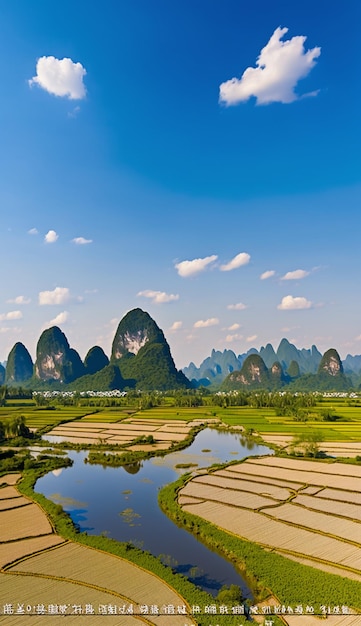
296	518
40	569
124	432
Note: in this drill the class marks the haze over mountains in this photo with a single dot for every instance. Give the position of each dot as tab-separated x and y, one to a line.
219	365
141	359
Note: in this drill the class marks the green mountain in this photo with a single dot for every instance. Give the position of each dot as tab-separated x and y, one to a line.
142	354
95	360
293	370
106	379
55	360
331	363
19	366
255	375
252	375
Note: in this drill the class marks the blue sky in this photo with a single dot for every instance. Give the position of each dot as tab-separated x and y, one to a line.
200	160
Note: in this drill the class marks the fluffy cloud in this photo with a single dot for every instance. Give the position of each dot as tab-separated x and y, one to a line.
51	236
290	303
212	321
240	259
176	326
62	318
60	77
280	65
251	338
295	275
189	268
234	327
81	241
59	295
234	337
33	231
11	315
19	300
158	297
237	307
267	274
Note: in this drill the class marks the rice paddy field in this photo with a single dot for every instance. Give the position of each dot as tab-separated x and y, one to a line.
165	433
347	427
42	574
306	510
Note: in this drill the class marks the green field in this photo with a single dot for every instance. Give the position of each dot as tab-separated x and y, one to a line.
39	418
345	427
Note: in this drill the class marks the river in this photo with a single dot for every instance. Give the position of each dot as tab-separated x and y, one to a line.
122	503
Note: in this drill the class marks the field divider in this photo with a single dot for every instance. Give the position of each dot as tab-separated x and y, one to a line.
289	480
319	461
337	565
29	556
13	508
243	490
312	530
3	543
313	510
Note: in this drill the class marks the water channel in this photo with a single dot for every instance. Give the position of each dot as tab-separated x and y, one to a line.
122	504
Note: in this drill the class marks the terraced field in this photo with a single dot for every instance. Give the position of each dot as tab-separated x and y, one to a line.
41	574
306	510
125	432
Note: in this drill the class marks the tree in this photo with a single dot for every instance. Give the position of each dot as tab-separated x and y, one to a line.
308	443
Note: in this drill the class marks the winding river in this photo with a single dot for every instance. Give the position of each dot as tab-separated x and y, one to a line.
122	503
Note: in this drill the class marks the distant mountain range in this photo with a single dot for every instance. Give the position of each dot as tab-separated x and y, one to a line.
141	359
293	361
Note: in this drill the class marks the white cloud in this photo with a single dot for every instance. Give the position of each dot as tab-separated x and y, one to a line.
16	330
212	321
60	77
280	65
237	307
176	326
62	318
189	268
240	259
19	300
81	241
158	297
74	112
33	231
290	303
234	327
51	236
251	338
234	337
59	295
11	315
267	274
295	275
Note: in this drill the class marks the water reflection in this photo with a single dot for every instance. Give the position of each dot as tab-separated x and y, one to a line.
133	468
